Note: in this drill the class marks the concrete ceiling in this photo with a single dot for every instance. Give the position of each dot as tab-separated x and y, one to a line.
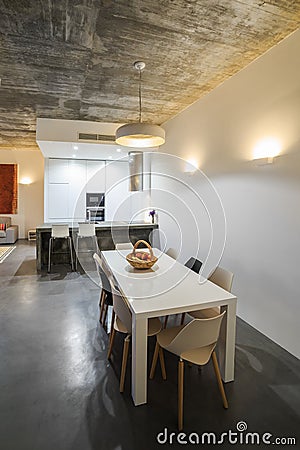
72	59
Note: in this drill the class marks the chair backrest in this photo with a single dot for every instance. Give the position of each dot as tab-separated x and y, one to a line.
86	229
194	264
222	278
196	334
120	307
172	253
124	246
101	273
60	231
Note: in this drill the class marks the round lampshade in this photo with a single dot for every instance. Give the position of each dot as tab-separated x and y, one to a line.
140	135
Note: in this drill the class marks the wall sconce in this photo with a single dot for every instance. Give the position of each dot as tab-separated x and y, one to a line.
265	151
191	165
25	180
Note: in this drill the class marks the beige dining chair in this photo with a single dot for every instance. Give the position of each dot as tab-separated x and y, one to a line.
124	246
172	253
105	299
195	343
123	324
222	278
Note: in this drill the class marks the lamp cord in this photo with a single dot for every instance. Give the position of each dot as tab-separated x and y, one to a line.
140	96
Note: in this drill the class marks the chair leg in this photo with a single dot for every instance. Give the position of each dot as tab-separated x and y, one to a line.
112	321
102	304
180	393
182	318
105	315
124	362
96	243
154	361
49	254
219	380
111	342
162	363
76	251
71	253
165	322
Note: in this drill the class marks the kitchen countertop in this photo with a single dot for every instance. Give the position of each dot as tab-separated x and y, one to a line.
73	225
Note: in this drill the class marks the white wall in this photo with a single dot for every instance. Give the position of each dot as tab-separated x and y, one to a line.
262	203
30	197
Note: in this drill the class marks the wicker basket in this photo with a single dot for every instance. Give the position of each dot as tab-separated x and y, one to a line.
138	263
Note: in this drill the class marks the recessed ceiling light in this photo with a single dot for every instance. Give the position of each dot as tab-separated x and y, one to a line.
75	147
119	150
74	156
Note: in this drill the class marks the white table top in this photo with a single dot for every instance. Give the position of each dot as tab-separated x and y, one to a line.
166	288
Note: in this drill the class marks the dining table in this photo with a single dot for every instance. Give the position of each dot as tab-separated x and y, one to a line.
168	288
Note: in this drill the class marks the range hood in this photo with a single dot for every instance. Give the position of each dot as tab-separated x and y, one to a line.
135	171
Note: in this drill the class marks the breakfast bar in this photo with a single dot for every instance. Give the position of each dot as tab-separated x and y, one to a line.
107	233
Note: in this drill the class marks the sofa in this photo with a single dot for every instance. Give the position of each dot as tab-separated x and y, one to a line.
8	233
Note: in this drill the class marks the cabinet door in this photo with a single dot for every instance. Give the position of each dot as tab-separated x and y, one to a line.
58	201
77	184
58	170
95	176
117	202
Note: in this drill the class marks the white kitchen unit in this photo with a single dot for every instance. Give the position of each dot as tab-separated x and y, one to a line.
117	195
96	176
58	171
77	182
68	180
57	202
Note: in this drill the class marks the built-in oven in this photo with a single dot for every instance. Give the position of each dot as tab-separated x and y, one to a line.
95	206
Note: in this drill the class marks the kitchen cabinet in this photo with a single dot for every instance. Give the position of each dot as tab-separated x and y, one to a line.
95	179
58	171
68	181
58	201
77	191
117	200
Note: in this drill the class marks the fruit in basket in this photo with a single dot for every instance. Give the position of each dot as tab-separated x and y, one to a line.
143	256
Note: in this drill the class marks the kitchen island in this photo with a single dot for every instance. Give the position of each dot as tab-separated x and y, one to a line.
108	234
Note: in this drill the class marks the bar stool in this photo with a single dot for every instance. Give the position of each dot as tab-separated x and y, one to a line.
60	232
86	230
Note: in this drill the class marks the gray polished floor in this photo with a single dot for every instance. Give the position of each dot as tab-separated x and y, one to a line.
58	391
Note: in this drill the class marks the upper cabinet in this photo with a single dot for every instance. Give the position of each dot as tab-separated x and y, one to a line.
77	182
96	177
117	200
58	171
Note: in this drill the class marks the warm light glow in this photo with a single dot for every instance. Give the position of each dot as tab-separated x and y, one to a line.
191	165
25	180
267	148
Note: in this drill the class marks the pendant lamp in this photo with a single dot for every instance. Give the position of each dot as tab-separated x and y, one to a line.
140	134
